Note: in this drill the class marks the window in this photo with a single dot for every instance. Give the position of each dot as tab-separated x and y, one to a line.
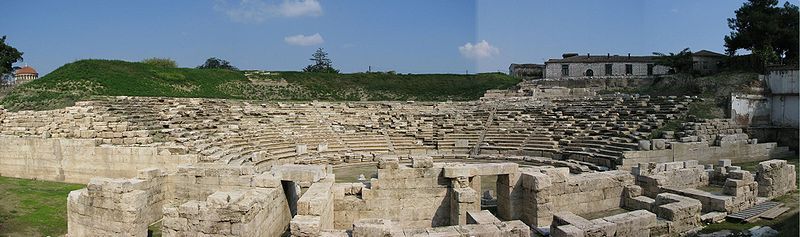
589	72
608	69
565	69
650	69
628	69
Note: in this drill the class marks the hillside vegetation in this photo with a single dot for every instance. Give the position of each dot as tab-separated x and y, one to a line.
86	78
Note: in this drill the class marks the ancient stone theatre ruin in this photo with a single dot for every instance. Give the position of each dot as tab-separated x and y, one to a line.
566	163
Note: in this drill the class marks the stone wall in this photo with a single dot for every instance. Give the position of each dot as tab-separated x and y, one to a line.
682	174
198	181
196	199
252	212
116	207
78	160
635	223
704	153
387	228
553	189
412	197
680	214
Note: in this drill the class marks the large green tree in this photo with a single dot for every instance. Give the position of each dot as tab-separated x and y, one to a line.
216	63
321	63
767	30
680	62
8	56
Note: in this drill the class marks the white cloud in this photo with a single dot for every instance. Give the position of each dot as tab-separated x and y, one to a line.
293	8
303	40
479	50
257	11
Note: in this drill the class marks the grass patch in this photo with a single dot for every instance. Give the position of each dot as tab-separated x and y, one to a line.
86	78
33	207
349	174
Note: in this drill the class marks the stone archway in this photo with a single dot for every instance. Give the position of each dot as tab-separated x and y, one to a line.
589	72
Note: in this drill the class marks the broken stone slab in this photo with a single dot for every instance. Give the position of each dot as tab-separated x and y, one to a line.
644	145
388	162
299	173
305	226
421	161
481	217
460	170
713	217
373	227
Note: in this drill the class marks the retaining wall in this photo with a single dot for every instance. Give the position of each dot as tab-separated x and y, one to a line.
78	160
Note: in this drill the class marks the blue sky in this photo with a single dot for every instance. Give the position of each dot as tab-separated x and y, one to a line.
410	36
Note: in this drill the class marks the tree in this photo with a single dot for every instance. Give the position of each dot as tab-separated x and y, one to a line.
680	62
215	63
767	30
8	56
161	62
321	63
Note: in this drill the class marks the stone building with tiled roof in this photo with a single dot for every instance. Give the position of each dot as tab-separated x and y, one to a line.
707	62
572	65
25	74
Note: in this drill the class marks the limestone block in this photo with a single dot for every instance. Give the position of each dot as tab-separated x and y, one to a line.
557	174
724	163
456	171
466	195
388	162
421	161
644	145
461	143
301	149
149	173
266	181
674	207
299	173
659	144
514	228
479	230
635	223
601	227
743	175
566	231
481	217
536	181
373	228
775	178
305	226
713	217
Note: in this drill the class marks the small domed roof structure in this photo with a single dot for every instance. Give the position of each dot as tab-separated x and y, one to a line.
25	70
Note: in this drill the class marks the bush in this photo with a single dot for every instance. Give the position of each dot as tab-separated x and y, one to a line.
161	62
216	63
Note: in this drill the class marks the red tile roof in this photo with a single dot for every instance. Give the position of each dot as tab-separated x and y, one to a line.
25	70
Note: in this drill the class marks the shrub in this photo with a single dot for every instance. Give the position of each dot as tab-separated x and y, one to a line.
161	62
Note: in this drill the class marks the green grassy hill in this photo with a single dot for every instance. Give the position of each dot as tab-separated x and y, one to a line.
86	78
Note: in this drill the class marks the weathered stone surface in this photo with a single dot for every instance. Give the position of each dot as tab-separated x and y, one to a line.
421	161
775	178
